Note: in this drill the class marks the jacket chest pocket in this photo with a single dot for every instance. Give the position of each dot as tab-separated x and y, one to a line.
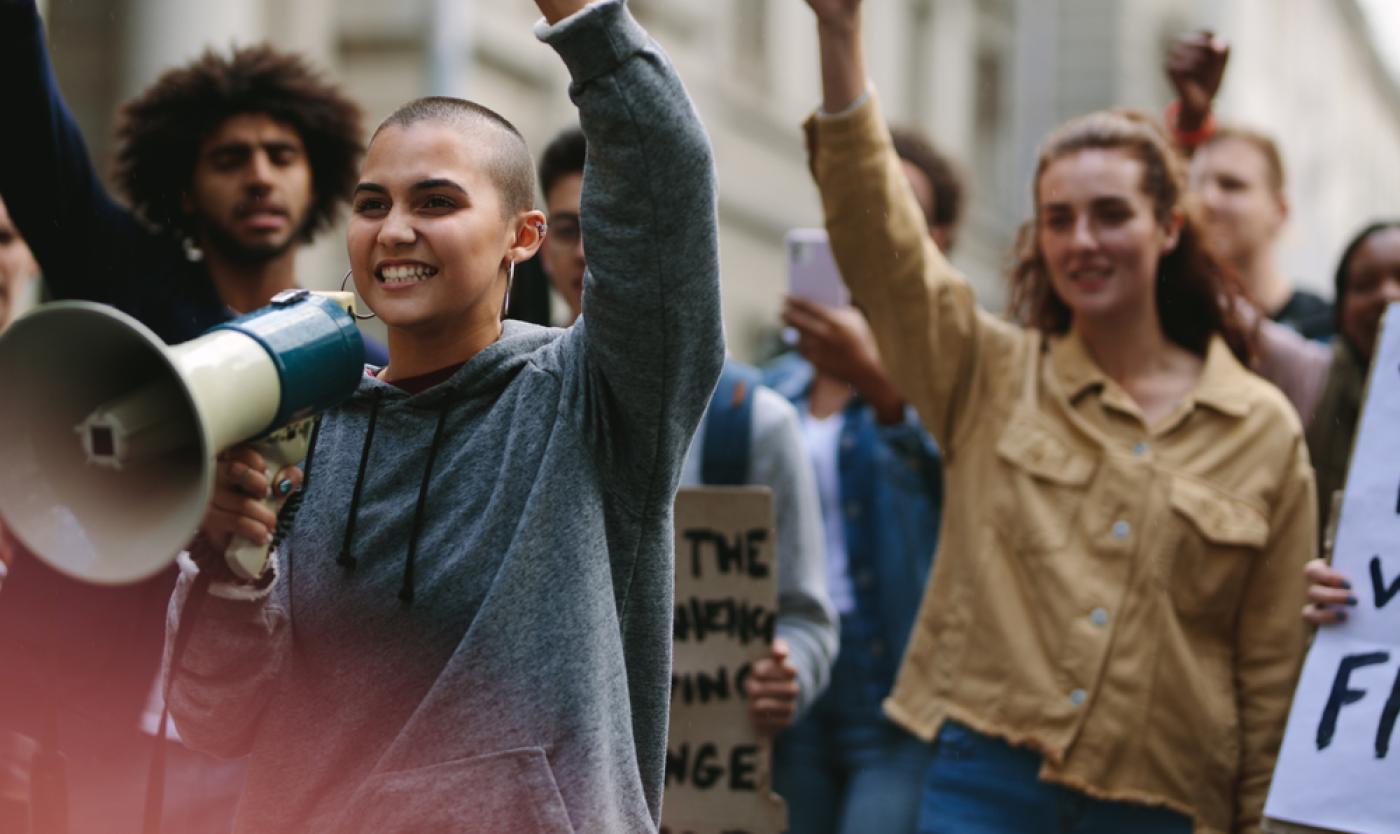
1037	505
1218	535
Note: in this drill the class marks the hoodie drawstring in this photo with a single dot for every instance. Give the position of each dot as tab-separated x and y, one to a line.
346	559
406	593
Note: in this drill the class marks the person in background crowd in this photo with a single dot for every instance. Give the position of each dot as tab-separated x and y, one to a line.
229	165
781	686
1367	281
1110	639
561	182
1237	173
497	659
18	271
845	767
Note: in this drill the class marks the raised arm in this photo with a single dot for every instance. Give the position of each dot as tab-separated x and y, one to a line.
924	315
46	176
650	331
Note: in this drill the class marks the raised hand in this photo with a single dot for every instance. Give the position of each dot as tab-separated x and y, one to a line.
556	10
1196	65
843	62
835	11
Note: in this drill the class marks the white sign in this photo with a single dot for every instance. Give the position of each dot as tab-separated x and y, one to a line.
1339	766
717	769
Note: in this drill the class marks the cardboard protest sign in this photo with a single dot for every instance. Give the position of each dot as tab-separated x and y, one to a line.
717	769
1340	763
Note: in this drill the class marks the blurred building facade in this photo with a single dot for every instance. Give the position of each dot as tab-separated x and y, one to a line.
985	78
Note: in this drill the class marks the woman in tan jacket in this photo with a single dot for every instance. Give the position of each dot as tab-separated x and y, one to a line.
1110	638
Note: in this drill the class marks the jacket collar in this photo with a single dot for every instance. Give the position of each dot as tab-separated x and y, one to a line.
1218	387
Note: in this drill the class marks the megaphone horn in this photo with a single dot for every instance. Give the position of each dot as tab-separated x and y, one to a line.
116	501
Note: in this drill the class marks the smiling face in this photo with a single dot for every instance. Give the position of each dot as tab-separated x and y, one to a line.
1099	234
1372	283
429	238
251	189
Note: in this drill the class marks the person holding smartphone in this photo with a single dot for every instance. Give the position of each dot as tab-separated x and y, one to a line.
1111	636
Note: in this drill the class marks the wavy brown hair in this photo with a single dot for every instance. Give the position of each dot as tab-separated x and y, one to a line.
159	132
1197	293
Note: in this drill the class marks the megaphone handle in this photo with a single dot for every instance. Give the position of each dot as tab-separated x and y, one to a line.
284	447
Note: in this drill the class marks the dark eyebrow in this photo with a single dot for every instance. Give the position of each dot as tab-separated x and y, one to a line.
426	185
371	186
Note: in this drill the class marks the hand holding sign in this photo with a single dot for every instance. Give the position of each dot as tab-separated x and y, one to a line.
1337	768
1329	594
772	690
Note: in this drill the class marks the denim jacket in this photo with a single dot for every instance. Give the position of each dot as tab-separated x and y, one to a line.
892	494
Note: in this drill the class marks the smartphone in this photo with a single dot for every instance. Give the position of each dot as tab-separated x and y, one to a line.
812	272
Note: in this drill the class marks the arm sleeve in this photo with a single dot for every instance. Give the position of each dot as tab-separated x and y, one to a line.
806	617
650	335
46	176
1270	637
931	334
224	678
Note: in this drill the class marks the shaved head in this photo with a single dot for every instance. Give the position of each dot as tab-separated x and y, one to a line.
508	160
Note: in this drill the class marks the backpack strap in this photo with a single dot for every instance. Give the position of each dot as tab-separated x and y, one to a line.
728	426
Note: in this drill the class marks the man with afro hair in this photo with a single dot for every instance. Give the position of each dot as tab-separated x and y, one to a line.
228	165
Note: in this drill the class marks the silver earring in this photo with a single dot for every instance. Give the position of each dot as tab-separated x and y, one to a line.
343	282
510	281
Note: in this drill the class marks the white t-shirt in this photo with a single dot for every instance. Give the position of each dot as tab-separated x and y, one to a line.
822	437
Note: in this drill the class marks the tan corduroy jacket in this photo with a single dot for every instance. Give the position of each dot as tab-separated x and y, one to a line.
1123	599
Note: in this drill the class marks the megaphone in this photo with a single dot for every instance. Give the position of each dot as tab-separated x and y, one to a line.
108	437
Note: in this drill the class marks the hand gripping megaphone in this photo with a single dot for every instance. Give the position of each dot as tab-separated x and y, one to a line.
108	437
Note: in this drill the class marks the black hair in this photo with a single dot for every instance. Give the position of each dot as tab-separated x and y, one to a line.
564	155
949	190
159	133
1342	277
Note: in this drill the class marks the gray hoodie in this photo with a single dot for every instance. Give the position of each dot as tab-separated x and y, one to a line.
471	625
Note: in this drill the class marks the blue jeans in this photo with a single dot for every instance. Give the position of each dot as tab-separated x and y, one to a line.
845	768
978	784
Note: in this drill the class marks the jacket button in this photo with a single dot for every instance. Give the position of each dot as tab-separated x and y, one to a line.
877	648
1098	617
852	510
1121	529
1078	697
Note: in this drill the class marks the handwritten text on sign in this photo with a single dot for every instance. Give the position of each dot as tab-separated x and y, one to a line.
726	586
1337	768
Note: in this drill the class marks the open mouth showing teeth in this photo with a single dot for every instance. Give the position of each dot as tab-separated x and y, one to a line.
404	274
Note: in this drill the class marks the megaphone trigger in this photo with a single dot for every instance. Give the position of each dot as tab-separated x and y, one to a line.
284	447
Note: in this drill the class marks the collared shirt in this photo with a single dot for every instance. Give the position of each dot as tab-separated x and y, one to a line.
1123	598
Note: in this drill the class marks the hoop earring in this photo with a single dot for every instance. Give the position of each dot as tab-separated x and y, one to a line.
343	282
510	282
